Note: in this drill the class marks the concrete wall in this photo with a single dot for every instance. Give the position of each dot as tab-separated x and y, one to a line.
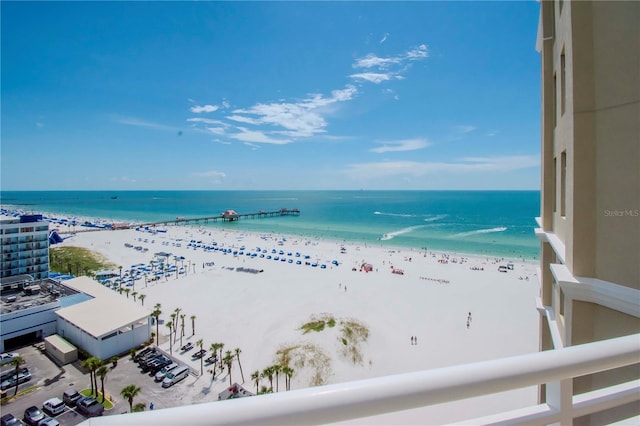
39	318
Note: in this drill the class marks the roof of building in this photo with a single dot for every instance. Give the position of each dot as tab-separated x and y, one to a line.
105	313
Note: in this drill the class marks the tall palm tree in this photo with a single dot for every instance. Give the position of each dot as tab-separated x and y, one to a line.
92	364
220	347
255	376
156	315
193	325
228	361
170	325
102	373
181	327
277	369
120	282
238	352
213	348
199	343
17	361
141	297
129	392
134	294
288	371
268	373
127	291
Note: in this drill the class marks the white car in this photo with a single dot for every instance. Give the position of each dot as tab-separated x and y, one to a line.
8	357
53	406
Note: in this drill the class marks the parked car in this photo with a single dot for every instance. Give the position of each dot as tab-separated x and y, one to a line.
158	365
10	371
9	420
8	357
89	407
175	376
33	415
151	354
71	396
143	353
11	382
148	365
53	406
187	347
48	421
160	375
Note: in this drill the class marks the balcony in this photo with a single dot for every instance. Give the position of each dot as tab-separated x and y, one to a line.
355	401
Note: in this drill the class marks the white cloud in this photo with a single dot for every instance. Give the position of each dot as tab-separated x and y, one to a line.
126	179
207	121
247	135
204	108
384	38
372	60
216	130
419	52
372	77
401	145
462	165
225	104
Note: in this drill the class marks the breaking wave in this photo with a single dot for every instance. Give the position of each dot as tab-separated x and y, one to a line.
394	214
434	218
481	231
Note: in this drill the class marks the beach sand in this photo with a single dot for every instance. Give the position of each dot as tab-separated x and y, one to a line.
262	313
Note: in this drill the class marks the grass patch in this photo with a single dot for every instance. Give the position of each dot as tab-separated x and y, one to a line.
318	324
309	356
108	405
77	261
353	333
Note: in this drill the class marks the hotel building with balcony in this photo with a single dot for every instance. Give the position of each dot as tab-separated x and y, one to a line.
590	189
25	247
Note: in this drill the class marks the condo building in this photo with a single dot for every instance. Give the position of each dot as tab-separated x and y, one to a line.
590	190
25	247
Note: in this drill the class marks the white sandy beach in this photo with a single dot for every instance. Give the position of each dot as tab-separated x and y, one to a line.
261	313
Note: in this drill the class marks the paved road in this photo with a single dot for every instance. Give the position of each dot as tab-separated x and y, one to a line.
49	380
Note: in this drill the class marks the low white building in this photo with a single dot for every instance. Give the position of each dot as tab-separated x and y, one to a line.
107	324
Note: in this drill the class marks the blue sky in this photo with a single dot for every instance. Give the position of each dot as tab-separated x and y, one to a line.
270	95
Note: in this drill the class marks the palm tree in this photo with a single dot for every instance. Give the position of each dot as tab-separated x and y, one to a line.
220	347
199	343
102	373
268	373
92	364
193	325
277	369
288	371
170	325
228	361
120	282
213	349
255	376
140	406
141	297
17	361
134	294
181	327
129	392
156	314
127	291
238	352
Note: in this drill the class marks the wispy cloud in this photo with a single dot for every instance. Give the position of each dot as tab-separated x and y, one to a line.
204	108
462	165
401	145
373	77
125	179
132	121
384	38
214	176
257	136
465	128
206	121
216	130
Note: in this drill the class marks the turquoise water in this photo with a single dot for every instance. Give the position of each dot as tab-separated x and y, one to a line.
497	223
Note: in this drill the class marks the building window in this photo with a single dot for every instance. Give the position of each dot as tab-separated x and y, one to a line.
563	184
563	83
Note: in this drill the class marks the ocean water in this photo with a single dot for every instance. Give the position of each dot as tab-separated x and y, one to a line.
496	223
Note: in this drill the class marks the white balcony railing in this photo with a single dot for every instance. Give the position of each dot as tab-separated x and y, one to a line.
365	398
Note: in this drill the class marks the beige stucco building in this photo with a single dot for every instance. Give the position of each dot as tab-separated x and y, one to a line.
590	190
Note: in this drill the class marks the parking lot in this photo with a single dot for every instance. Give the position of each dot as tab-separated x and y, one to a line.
48	380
